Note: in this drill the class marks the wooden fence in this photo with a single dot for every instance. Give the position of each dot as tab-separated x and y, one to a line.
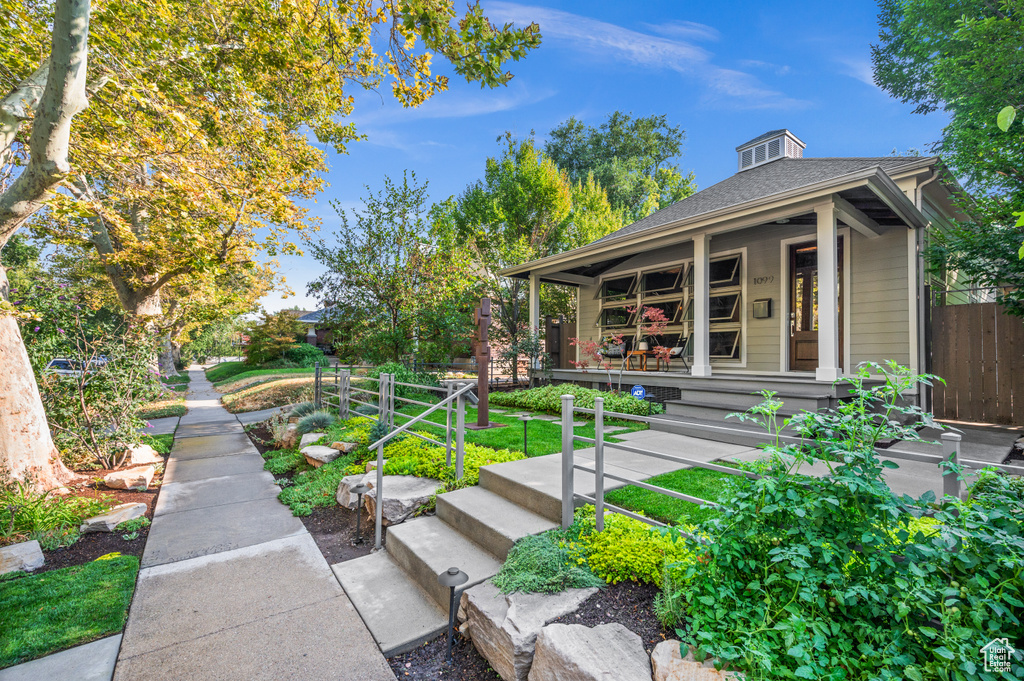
979	350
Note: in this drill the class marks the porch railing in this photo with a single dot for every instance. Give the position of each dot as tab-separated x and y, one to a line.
951	442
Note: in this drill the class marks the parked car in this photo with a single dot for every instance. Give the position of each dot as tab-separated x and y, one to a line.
64	367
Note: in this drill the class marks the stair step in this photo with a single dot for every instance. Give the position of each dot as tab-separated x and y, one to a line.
539	494
399	614
488	519
426	547
735	401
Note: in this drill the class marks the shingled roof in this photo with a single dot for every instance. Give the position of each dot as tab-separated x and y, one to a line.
760	182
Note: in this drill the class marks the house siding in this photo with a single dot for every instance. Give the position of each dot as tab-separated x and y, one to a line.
879	303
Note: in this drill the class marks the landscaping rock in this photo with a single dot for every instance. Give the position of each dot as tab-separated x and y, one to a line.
310	439
573	652
504	628
403	496
670	665
24	556
139	478
371	465
286	435
318	455
345	497
345	447
139	455
106	522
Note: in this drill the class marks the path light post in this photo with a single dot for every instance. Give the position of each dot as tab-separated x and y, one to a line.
451	578
525	418
359	490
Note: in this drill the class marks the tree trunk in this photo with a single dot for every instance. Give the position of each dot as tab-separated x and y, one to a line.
26	448
166	358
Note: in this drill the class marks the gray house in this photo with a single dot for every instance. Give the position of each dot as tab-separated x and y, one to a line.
786	275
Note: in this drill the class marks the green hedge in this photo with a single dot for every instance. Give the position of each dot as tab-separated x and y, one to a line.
549	399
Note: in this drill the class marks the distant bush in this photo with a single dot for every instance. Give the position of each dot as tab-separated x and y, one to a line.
404	374
304	355
549	399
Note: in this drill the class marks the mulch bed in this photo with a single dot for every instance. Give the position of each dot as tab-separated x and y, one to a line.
427	662
95	544
261	437
334	530
627	603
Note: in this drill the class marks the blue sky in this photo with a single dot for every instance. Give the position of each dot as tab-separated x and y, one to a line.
724	72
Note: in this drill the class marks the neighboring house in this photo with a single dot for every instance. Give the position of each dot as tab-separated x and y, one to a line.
786	275
316	332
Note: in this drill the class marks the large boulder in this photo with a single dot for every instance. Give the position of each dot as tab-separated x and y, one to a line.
504	628
140	455
345	497
23	556
403	496
106	522
318	455
573	652
310	439
670	665
139	478
286	435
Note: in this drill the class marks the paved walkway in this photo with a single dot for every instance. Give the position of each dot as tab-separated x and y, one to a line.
232	585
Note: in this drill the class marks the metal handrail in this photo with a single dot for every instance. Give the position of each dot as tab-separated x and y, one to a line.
401	429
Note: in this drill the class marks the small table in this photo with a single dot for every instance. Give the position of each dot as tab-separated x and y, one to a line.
642	354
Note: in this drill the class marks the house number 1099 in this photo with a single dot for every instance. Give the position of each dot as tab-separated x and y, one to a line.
764	280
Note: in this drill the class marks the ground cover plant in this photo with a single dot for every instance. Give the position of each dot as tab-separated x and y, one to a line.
62	608
836	577
548	399
161	444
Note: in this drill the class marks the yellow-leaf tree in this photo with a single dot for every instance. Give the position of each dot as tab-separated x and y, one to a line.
199	137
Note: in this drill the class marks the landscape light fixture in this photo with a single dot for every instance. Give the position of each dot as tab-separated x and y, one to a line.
525	418
451	578
359	490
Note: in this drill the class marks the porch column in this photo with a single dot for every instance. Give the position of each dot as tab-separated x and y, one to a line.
828	294
534	306
701	322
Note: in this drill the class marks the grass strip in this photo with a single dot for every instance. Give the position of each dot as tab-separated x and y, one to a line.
52	611
696	482
543	437
256	373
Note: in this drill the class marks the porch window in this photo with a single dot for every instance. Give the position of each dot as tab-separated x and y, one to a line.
619	288
662	281
615	317
725	308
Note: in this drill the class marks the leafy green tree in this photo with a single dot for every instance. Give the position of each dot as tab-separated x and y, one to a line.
964	59
629	157
524	208
271	337
386	289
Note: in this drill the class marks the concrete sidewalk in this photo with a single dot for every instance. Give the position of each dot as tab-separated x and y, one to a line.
232	585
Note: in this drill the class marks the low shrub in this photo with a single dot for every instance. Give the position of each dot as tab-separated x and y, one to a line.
413	456
279	462
316	422
304	355
303	409
629	549
543	564
131	528
548	399
355	429
161	444
50	518
315	487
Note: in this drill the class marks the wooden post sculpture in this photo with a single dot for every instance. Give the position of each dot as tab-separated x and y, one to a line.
483	362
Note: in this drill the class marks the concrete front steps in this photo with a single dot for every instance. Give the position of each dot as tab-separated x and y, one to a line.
396	591
732	431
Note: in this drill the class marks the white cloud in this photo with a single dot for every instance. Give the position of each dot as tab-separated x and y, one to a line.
858	68
686	30
450	105
602	39
777	69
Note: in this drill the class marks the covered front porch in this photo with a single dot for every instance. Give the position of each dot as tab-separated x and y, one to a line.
788	296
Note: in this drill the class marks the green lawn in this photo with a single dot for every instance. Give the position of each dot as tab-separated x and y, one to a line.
225	370
181	379
163	409
41	614
545	437
697	482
